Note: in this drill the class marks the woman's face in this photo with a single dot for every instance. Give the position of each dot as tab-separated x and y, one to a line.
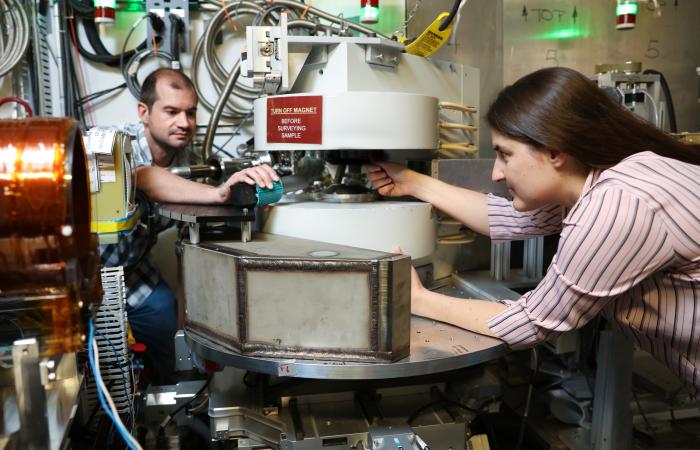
528	173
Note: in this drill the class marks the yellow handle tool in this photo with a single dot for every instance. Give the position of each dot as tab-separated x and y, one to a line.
431	39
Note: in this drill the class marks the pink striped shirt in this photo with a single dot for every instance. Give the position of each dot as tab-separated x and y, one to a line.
629	248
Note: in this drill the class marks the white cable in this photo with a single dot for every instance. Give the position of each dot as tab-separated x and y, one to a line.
458	107
460	126
107	396
458	17
653	104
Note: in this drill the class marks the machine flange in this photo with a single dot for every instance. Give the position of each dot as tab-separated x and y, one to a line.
435	347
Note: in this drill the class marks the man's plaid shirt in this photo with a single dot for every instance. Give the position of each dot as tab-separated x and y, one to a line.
142	279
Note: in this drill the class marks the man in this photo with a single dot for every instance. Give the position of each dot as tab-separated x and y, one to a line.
167	110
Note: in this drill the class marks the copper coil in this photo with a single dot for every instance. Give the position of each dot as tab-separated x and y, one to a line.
49	263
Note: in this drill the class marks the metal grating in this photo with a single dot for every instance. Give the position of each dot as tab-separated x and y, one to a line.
40	52
111	335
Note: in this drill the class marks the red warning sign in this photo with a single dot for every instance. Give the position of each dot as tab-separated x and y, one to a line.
295	119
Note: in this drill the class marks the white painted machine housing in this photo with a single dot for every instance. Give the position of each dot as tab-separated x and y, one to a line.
374	97
368	105
363	121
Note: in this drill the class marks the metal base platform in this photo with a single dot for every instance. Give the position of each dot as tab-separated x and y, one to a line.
435	347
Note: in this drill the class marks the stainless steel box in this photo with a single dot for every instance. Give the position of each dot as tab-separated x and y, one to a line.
279	296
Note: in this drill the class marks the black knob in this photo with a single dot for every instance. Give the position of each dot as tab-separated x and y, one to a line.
243	196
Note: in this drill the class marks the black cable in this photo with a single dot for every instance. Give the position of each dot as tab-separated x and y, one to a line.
121	365
669	100
98	94
170	416
101	55
521	431
152	233
641	411
442	401
65	51
84	8
131	75
97	407
448	20
176	27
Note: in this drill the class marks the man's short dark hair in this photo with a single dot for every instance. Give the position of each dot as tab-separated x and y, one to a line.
174	78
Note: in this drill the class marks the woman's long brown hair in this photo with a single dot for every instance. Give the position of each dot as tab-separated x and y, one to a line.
560	109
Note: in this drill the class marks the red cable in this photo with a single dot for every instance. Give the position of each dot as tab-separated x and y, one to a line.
26	105
80	67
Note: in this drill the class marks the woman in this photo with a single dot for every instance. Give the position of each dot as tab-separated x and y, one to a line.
623	195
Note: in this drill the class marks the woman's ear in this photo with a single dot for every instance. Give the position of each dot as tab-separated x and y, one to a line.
557	158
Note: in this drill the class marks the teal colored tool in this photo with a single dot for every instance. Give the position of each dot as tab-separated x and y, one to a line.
246	196
268	196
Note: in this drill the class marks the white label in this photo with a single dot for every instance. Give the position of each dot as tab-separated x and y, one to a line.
100	141
108	176
94	174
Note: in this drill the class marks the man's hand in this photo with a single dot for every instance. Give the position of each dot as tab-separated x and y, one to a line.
393	180
264	176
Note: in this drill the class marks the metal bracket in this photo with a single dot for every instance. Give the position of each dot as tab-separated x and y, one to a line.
183	356
193	228
382	55
31	396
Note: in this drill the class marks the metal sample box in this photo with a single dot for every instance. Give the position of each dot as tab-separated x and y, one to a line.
286	297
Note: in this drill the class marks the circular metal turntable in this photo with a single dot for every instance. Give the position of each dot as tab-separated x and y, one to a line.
435	347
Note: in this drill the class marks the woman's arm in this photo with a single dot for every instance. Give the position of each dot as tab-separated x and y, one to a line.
469	207
469	314
486	214
612	241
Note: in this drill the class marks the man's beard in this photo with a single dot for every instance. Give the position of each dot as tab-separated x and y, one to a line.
169	148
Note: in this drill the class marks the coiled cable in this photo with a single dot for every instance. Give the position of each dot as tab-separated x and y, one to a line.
14	34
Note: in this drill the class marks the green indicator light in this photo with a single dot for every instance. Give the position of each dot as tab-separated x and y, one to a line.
626	8
560	34
136	6
370	14
105	4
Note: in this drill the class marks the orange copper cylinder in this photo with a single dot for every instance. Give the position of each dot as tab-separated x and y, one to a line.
49	262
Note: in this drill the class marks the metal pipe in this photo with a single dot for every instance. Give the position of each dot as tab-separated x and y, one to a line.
329	17
218	109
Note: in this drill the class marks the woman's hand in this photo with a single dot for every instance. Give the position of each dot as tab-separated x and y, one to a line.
393	180
263	176
417	289
419	300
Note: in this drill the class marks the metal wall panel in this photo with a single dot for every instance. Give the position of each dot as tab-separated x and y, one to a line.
507	39
543	33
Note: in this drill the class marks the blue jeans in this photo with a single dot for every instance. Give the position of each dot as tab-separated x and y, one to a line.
154	323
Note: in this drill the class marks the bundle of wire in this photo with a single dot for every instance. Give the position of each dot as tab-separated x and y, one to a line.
103	393
237	107
14	34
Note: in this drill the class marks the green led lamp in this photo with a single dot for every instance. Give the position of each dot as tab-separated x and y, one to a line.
370	11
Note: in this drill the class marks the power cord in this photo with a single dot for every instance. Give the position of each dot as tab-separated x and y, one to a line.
526	412
170	416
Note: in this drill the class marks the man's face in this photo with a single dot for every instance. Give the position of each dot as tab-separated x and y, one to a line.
171	119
